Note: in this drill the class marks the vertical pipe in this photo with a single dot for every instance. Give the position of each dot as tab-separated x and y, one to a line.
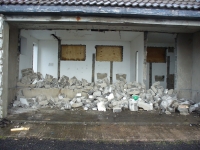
136	66
59	51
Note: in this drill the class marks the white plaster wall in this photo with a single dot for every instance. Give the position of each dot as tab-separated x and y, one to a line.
26	57
137	44
83	69
48	57
159	69
48	52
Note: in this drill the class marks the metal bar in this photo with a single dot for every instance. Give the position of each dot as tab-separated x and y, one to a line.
93	66
59	51
111	72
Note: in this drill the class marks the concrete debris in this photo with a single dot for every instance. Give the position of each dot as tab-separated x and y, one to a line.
133	106
102	95
117	109
183	109
24	101
101	106
67	105
145	106
75	105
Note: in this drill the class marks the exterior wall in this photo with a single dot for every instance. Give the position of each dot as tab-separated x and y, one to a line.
196	68
13	59
4	40
184	65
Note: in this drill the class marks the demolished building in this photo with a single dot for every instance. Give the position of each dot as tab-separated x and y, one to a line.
96	55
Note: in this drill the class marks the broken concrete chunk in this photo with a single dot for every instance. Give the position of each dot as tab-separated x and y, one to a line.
101	106
24	101
145	106
167	112
156	84
117	109
16	103
170	92
75	105
78	95
78	100
133	91
97	93
95	108
67	105
183	109
85	108
43	103
48	78
133	106
110	97
154	89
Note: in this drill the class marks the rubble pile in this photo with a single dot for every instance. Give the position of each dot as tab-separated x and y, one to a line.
103	96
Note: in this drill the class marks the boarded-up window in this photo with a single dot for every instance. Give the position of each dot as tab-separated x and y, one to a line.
109	53
73	52
156	54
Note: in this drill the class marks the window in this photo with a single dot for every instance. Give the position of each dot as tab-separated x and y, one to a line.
109	53
73	52
156	54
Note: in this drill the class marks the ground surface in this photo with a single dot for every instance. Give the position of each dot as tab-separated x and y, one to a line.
41	144
78	129
79	116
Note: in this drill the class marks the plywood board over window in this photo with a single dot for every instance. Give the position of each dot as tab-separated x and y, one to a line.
156	54
109	53
73	52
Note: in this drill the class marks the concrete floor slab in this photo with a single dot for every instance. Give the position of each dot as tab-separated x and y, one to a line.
104	126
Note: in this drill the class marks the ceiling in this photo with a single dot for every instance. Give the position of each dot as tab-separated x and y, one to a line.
84	35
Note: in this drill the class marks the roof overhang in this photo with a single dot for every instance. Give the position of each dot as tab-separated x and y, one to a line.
102	23
108	11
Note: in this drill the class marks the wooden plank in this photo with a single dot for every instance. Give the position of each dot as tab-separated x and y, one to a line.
168	70
73	52
111	72
19	129
109	53
156	54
